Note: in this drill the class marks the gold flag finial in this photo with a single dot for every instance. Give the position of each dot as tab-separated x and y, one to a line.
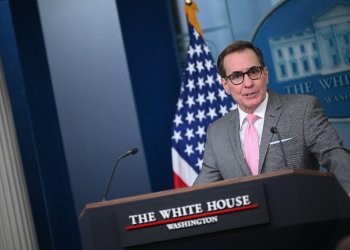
191	10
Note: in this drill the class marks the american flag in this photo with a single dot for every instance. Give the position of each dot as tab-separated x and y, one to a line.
202	100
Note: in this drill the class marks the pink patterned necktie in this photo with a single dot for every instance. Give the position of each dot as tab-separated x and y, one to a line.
251	144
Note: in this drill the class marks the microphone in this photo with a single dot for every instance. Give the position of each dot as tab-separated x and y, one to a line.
274	130
130	152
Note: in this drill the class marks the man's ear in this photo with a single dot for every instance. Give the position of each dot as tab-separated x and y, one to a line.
225	85
266	72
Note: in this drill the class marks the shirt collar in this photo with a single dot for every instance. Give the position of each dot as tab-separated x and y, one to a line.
260	111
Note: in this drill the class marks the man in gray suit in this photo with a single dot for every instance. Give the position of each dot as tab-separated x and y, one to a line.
297	121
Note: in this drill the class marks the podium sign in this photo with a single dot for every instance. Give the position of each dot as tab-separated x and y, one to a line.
289	209
192	214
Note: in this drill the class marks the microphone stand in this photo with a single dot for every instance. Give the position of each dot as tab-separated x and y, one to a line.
130	152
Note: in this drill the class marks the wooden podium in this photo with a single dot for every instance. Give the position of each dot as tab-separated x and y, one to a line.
289	209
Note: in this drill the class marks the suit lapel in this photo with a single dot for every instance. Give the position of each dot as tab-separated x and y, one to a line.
236	143
272	115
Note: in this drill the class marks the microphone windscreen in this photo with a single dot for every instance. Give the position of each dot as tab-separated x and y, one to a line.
133	151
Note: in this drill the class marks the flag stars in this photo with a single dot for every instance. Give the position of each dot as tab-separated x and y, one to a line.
211	96
222	94
206	49
190	51
198	49
200	131
218	78
210	80
200	82
189	134
189	150
190	85
191	68
208	64
199	163
201	115
178	120
182	89
177	136
200	66
223	110
212	113
200	99
189	118
190	101
179	104
200	147
233	106
196	34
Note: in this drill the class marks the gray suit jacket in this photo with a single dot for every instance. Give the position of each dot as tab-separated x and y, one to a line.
309	141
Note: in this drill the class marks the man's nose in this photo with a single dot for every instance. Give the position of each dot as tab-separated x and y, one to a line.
247	82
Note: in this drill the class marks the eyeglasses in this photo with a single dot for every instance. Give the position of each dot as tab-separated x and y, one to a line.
254	73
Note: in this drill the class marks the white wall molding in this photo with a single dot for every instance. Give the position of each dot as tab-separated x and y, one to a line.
16	223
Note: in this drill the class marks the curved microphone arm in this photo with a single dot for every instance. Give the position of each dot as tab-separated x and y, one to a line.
130	152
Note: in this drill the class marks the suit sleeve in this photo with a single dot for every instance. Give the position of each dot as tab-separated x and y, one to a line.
325	144
209	172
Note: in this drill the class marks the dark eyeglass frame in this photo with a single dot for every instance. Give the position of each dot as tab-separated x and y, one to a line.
249	73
